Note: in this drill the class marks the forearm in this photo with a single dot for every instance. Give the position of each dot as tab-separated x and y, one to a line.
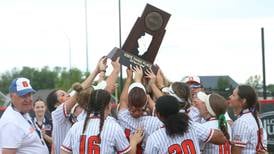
8	151
156	91
85	84
133	148
111	80
124	94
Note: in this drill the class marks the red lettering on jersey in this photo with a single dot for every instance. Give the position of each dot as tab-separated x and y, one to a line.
187	146
93	145
224	148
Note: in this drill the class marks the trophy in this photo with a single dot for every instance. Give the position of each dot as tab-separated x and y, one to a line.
152	23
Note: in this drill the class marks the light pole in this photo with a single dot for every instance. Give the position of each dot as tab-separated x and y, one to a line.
86	27
120	45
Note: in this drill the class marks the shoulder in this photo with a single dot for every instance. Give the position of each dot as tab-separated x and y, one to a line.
157	133
211	124
112	122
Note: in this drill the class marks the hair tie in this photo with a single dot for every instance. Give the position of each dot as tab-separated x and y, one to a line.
222	119
252	109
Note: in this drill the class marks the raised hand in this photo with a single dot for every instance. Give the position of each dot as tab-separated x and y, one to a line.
138	71
129	73
151	76
115	64
102	64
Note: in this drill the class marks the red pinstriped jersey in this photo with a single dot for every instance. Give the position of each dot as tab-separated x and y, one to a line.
112	140
160	142
149	123
245	133
209	148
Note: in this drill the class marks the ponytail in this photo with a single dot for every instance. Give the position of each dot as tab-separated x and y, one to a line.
222	124
176	124
98	103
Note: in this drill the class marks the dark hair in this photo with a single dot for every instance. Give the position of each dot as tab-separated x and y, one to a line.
37	100
219	106
176	123
182	90
137	97
52	100
249	94
98	101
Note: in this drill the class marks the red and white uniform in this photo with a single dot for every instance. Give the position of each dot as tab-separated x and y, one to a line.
194	114
61	125
209	148
245	133
148	123
160	142
113	138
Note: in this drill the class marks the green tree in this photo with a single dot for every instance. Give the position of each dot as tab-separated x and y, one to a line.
270	87
44	78
254	81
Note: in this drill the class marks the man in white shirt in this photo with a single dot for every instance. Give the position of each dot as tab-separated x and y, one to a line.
18	134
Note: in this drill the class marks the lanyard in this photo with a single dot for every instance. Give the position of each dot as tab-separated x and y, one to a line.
31	124
37	131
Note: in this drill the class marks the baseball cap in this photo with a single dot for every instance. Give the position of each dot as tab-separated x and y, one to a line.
192	79
205	98
21	86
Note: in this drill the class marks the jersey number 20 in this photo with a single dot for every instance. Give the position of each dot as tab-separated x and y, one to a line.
186	147
93	145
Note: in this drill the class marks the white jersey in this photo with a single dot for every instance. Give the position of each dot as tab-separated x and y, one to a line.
245	133
149	123
209	148
18	132
194	114
61	125
113	138
160	142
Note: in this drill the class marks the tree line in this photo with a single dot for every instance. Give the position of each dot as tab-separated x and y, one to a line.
44	78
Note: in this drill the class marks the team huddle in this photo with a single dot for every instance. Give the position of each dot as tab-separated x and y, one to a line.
153	116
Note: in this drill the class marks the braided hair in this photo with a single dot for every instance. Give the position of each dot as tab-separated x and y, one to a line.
98	102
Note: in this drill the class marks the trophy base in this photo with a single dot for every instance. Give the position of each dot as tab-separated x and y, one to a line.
127	59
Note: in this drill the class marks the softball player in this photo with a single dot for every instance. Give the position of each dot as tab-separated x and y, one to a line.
213	108
179	134
247	131
98	133
60	104
133	103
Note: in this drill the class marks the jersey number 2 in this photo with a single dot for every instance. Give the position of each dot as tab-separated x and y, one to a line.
186	147
93	145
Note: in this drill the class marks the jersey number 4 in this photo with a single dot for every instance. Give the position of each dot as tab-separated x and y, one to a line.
186	147
93	145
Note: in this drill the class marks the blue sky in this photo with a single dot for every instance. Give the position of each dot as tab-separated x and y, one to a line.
204	37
